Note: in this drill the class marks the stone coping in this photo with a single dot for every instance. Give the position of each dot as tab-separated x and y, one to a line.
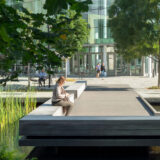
151	108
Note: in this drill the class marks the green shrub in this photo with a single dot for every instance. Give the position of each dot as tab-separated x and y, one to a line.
11	155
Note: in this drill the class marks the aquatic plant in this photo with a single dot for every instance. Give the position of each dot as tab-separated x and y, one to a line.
11	155
13	108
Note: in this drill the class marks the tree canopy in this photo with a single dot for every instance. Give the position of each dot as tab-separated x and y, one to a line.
135	26
75	33
21	36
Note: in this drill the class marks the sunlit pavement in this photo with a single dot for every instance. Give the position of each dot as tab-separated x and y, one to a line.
136	82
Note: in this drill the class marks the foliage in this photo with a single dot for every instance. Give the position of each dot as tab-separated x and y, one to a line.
73	33
134	27
17	41
55	7
11	155
11	110
154	87
23	40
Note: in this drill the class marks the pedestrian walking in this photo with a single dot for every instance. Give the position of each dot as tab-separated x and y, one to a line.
98	70
103	70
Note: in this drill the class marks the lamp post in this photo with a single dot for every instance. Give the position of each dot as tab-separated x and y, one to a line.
49	76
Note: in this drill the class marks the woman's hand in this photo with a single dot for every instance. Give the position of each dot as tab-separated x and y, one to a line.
67	94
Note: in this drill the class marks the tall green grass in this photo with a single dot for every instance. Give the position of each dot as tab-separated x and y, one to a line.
12	109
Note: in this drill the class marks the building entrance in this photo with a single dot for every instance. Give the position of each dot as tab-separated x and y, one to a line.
85	63
115	64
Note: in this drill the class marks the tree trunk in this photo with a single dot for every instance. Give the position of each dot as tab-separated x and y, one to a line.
66	68
49	80
29	75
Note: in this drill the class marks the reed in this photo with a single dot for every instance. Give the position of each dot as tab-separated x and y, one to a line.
11	110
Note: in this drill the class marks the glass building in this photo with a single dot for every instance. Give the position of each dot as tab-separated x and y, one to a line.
100	46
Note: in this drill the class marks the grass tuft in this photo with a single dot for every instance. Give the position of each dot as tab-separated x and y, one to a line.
153	87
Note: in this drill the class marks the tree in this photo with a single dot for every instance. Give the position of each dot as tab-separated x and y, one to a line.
21	37
17	41
75	34
135	28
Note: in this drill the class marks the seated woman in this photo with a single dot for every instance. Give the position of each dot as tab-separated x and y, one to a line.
61	97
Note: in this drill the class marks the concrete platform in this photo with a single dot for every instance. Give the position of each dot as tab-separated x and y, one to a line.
77	88
109	100
104	115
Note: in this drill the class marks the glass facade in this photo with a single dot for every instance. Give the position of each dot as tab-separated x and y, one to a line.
97	18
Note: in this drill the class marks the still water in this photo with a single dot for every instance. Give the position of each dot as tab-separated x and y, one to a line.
156	107
97	153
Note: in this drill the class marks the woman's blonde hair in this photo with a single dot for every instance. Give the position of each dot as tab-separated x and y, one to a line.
61	80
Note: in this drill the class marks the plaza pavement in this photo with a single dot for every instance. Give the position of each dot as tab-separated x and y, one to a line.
135	82
109	100
138	83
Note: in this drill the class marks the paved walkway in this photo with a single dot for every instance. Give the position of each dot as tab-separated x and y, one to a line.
109	100
135	82
139	84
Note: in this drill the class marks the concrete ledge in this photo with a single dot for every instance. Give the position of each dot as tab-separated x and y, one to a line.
87	142
77	88
90	131
71	98
153	111
82	82
47	111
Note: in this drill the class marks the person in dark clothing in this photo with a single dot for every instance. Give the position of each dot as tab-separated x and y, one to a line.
103	70
42	77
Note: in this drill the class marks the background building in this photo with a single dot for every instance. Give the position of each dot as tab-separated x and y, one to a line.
100	46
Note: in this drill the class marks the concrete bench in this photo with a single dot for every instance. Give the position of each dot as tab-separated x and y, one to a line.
45	113
47	109
77	88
